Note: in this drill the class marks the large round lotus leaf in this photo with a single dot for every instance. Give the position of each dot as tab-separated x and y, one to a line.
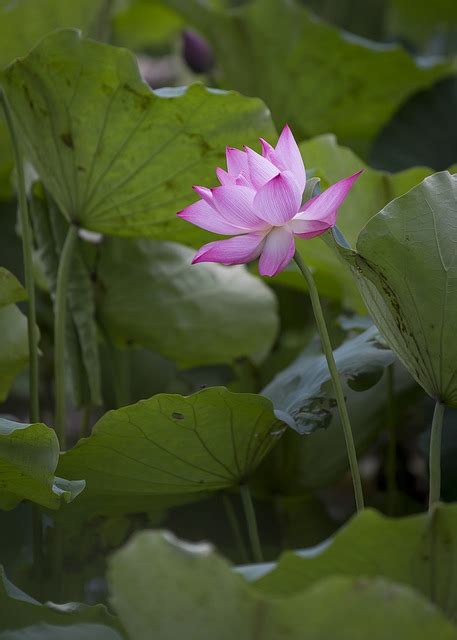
171	444
116	156
407	270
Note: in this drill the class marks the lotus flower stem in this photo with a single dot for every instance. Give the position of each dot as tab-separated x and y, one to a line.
251	522
27	254
435	455
327	347
60	314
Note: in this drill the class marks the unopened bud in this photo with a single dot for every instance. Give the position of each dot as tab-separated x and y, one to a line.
197	52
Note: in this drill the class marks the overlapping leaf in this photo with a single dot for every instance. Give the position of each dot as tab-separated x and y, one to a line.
214	602
304	388
82	340
405	262
172	444
310	74
419	551
22	614
149	294
117	157
28	459
14	354
373	190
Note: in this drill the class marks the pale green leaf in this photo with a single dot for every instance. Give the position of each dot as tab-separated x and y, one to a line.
149	293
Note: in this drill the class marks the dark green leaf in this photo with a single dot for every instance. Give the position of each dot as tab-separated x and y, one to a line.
20	611
212	601
419	551
311	75
422	132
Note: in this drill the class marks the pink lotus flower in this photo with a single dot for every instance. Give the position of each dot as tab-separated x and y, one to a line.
259	203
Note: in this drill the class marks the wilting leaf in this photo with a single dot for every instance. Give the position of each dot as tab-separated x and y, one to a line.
172	444
117	157
150	294
293	68
419	551
214	602
28	458
308	463
304	390
405	262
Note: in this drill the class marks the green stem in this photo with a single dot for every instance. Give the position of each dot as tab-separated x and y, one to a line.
27	256
27	252
85	427
235	527
60	332
391	462
435	455
251	522
327	347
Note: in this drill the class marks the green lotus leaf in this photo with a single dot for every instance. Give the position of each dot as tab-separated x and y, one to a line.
311	75
116	156
406	267
148	293
172	444
212	601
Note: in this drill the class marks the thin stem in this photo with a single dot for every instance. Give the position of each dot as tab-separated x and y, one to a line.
27	256
251	522
60	332
235	527
86	427
435	455
327	347
391	462
27	253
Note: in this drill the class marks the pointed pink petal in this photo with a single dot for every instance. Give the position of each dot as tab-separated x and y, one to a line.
205	194
267	149
277	252
278	200
203	215
224	177
287	155
236	250
308	229
325	206
236	161
234	203
260	169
